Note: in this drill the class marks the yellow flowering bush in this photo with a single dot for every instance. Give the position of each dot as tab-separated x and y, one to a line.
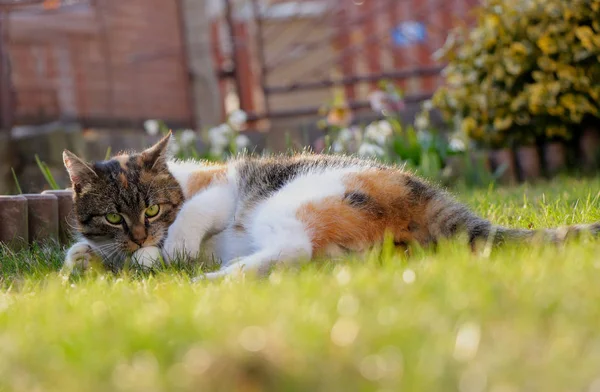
529	69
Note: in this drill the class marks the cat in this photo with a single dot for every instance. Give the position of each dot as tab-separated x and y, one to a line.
252	213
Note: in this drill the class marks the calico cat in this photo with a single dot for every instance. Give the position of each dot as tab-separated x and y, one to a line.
253	213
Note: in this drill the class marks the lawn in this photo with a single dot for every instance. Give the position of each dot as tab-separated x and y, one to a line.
516	319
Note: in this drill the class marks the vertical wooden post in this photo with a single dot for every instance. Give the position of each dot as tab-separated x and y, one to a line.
66	220
423	49
260	47
14	230
233	31
373	50
6	102
43	217
243	67
186	64
219	62
343	40
396	13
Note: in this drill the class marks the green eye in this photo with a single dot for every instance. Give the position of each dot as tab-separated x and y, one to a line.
152	211
114	219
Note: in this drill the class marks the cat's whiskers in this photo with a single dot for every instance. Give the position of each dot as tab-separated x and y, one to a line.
107	250
103	247
75	227
110	256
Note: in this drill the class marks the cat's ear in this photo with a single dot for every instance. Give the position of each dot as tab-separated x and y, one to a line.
80	172
156	157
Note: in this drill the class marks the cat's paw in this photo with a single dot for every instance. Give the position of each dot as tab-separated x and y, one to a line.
147	257
234	271
171	250
79	255
180	244
216	275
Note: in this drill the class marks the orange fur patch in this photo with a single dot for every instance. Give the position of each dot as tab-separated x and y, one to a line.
383	205
333	222
122	159
123	179
202	179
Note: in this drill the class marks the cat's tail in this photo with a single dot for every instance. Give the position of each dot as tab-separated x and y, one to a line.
447	218
553	235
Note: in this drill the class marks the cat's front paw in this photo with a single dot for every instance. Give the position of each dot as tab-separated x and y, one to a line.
180	244
79	255
147	257
234	271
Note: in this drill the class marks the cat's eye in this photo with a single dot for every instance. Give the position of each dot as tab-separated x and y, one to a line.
114	219
152	211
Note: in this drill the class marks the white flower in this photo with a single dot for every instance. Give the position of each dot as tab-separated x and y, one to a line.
338	147
345	135
347	140
377	100
370	150
457	145
428	105
421	122
188	137
242	141
219	136
238	119
348	135
152	127
385	127
226	129
379	132
373	134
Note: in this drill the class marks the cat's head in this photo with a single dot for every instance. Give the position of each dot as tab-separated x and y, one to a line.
126	202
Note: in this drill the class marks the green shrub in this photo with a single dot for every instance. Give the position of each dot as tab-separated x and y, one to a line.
529	70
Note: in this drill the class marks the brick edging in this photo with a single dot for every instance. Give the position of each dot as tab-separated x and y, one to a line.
36	218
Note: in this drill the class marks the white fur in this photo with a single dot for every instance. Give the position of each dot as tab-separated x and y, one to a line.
147	256
79	255
273	233
207	212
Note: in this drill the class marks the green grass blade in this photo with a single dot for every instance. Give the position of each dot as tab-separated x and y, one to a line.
16	181
46	173
108	153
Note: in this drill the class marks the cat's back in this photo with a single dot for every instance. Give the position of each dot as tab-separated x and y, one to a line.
261	177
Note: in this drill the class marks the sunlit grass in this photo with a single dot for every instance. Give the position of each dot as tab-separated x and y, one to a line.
526	318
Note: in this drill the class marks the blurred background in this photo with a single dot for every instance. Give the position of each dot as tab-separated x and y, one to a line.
100	68
88	75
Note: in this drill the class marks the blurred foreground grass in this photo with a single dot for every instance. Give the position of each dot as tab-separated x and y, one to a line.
524	319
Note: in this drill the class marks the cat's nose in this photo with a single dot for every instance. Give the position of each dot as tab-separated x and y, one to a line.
138	234
139	242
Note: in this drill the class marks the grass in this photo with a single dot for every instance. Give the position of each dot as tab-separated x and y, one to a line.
524	318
